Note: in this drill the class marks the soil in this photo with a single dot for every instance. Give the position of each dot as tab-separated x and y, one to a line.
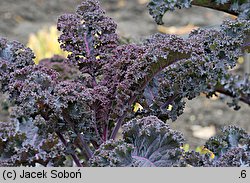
19	18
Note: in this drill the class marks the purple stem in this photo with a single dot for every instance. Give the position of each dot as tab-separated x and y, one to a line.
106	131
243	98
75	158
86	45
95	125
170	100
89	153
120	119
83	143
246	44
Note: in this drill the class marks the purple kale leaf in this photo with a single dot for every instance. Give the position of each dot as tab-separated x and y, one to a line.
157	8
147	142
230	138
236	157
207	72
89	35
22	145
13	56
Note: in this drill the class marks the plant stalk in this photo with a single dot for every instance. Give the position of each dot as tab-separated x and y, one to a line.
75	158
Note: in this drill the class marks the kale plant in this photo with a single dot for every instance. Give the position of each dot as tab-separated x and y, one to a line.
71	110
241	8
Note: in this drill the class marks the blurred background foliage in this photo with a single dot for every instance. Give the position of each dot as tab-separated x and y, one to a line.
44	43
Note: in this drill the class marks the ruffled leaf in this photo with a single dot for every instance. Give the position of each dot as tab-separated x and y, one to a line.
148	142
